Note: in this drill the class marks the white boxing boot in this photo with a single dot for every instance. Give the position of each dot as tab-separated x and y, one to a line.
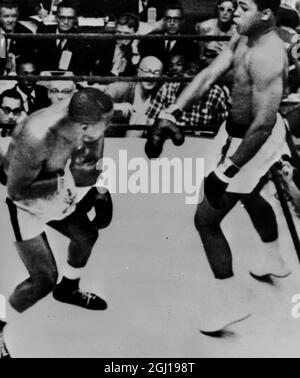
271	264
226	306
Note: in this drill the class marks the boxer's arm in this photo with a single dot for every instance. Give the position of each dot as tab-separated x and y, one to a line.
267	90
207	77
24	180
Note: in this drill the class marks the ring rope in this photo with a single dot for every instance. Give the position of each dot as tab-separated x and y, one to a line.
139	127
110	36
97	79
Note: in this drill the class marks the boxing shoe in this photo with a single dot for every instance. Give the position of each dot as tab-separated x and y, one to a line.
4	354
227	305
77	297
271	264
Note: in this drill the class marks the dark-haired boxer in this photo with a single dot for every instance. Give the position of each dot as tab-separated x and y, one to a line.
252	141
52	156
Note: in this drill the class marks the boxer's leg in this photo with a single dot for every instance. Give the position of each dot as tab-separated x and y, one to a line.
83	236
226	301
208	223
264	220
36	254
262	216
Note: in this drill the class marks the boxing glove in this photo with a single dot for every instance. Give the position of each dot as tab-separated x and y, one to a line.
165	128
3	176
216	183
84	163
102	203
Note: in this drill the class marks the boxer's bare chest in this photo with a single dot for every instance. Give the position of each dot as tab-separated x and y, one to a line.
242	87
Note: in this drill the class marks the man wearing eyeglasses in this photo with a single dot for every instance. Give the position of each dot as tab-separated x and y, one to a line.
173	25
11	113
62	54
223	25
60	90
132	100
11	108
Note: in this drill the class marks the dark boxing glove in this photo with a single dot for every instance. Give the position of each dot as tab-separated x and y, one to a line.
84	164
3	176
102	203
216	183
165	128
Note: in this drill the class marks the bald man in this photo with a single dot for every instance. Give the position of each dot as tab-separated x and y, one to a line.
132	100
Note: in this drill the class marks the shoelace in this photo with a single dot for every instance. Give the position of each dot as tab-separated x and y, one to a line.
87	296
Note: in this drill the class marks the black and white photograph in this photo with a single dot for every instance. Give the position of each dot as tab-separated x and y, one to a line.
149	182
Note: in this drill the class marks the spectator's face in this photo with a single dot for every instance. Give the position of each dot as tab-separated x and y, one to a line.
60	90
66	19
10	110
191	70
125	30
226	12
173	21
8	19
150	67
25	70
176	65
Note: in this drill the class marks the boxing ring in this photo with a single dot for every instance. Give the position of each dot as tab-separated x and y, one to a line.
151	268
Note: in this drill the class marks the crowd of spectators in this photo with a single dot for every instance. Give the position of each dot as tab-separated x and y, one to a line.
135	103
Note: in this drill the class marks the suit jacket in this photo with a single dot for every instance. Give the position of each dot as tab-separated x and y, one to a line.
103	53
19	47
94	8
49	54
187	48
41	99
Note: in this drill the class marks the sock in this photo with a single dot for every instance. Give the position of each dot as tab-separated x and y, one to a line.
72	273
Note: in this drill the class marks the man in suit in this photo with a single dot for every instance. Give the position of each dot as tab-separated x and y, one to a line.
9	15
35	97
173	25
119	57
64	55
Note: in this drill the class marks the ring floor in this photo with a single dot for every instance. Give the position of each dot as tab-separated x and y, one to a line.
151	268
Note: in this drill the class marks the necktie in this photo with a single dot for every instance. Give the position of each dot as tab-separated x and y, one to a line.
61	44
169	46
30	102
